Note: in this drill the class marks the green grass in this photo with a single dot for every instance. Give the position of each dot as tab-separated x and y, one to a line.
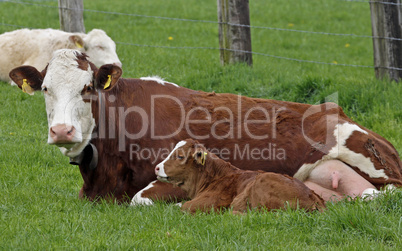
39	206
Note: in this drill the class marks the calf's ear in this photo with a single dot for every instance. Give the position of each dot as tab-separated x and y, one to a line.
107	76
200	156
28	79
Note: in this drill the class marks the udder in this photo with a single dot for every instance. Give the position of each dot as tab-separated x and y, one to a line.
334	180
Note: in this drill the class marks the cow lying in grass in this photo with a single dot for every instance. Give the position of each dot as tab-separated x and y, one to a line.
117	129
36	47
213	183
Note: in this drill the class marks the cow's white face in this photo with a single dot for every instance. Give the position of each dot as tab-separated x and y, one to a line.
100	48
68	78
66	110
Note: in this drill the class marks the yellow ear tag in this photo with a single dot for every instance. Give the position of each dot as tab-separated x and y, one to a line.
27	88
78	45
107	82
204	158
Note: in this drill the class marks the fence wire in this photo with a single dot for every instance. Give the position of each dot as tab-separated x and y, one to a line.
257	53
377	2
216	22
239	25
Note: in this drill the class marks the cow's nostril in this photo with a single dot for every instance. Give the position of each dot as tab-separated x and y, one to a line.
71	131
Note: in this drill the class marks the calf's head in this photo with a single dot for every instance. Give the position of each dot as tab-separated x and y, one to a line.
71	85
183	165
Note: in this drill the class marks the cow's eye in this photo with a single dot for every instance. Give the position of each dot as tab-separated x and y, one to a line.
89	88
44	89
180	157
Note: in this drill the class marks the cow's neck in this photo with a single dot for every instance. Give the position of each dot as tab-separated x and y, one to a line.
87	158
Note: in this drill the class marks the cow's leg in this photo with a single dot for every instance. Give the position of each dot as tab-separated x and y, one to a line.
157	190
370	193
240	202
334	179
193	206
139	199
204	203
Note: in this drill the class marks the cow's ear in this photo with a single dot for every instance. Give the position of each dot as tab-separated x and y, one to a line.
106	77
77	40
200	155
28	79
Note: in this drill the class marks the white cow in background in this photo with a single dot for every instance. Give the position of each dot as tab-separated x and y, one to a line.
35	47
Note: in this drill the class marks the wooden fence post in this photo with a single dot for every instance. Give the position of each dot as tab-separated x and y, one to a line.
234	40
71	15
385	22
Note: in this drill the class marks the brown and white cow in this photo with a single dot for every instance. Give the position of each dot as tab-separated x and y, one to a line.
35	47
214	184
118	129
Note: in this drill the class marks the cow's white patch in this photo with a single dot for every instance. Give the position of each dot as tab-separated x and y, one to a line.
100	48
139	200
157	79
304	171
342	132
64	82
161	171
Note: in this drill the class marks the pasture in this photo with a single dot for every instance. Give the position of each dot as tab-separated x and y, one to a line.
39	206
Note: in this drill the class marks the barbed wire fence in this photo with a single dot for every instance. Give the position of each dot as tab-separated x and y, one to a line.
40	4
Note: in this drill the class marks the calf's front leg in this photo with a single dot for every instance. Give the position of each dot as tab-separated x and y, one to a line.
158	190
205	203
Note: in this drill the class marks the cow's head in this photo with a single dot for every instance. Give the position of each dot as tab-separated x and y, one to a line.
99	47
183	165
70	84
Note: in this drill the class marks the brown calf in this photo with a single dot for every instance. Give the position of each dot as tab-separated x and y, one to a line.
213	183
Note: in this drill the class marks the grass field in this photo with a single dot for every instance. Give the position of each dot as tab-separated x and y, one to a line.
39	206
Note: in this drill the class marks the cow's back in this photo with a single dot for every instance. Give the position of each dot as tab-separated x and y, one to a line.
281	143
29	47
162	115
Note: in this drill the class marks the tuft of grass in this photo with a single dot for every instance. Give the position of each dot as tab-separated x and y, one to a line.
309	88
